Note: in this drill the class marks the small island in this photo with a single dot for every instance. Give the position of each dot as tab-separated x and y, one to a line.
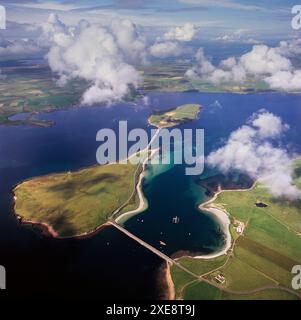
77	203
176	116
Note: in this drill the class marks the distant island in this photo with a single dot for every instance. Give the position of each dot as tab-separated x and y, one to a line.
31	89
176	116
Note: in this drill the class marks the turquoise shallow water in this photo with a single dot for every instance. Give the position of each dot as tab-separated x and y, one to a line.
173	194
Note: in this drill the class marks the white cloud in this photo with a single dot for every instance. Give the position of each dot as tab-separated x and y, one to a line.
250	150
48	5
271	65
290	48
129	40
23	48
181	33
96	54
239	35
264	60
268	125
166	49
229	70
285	80
53	29
224	4
170	45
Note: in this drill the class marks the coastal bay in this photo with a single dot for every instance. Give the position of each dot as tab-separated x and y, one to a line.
74	149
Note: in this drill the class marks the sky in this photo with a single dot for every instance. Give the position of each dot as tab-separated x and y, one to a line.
261	19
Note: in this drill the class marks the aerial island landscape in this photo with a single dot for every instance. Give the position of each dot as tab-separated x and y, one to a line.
148	230
78	203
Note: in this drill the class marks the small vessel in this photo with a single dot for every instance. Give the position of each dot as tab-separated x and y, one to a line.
162	243
176	220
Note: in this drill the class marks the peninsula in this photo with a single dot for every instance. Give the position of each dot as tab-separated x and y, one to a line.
77	203
265	245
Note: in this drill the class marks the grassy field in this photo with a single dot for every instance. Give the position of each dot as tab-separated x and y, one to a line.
263	256
204	267
78	202
180	279
198	290
31	89
175	116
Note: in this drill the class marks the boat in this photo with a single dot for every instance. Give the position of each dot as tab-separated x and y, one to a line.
176	220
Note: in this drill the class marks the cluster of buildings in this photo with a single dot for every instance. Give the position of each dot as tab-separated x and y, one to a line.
220	278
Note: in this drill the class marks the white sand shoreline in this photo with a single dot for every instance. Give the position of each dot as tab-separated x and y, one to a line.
223	219
220	215
143	204
224	222
171	295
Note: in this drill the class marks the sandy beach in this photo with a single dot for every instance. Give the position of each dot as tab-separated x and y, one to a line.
222	217
171	288
142	200
224	222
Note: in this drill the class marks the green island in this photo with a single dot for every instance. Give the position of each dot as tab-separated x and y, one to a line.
266	242
29	90
176	116
77	203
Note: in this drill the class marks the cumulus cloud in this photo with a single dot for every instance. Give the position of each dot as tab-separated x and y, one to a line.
268	125
166	49
228	71
22	48
171	44
181	33
272	65
129	40
52	29
96	54
237	36
250	150
290	48
285	80
263	60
